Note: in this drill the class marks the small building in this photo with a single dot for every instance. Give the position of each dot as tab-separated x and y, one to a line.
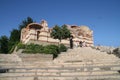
39	33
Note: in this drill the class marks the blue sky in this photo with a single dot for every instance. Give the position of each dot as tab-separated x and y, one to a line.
102	16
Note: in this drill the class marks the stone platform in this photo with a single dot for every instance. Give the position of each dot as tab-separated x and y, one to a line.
75	64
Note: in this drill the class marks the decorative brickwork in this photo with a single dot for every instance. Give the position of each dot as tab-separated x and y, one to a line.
41	32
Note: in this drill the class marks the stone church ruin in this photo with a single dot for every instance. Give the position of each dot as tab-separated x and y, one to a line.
39	33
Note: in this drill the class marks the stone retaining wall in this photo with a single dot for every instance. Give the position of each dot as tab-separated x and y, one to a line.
36	57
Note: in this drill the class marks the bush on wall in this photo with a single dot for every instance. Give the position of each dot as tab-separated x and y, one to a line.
62	48
20	46
48	49
117	52
33	48
52	49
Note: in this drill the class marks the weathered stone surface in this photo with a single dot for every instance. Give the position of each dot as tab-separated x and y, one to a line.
77	64
40	34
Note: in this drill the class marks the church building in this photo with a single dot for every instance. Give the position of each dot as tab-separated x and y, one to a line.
39	33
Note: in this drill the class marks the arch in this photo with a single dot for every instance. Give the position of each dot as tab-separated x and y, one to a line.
34	26
38	32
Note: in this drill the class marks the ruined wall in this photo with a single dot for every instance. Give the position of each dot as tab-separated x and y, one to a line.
40	33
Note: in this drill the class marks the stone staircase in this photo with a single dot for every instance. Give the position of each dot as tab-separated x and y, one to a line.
76	64
84	54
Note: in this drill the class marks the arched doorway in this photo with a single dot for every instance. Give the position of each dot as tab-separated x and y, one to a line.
36	27
38	32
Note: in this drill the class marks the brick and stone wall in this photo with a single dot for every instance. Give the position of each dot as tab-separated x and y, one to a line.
40	33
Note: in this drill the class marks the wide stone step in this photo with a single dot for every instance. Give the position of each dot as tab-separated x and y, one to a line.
79	64
115	68
92	61
31	66
89	65
26	64
60	78
35	59
17	78
9	57
64	77
59	73
62	65
48	56
75	60
88	56
16	74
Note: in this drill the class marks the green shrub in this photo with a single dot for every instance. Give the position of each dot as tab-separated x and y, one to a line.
117	52
52	49
20	46
33	48
39	48
119	71
62	48
28	51
30	46
48	49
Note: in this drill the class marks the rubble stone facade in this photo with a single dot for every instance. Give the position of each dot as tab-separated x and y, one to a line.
40	33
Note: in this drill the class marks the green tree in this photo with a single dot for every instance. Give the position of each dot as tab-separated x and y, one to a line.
25	23
16	33
60	32
57	33
13	39
4	44
65	32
